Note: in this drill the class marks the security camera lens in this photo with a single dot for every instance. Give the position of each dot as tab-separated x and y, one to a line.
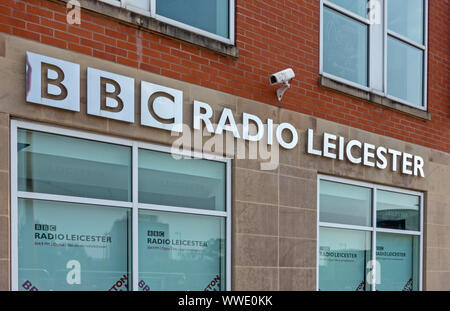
273	79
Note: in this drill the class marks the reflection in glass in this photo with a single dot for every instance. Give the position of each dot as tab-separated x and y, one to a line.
67	246
398	211
181	251
55	164
184	182
209	15
345	52
343	260
405	71
398	258
356	6
345	204
406	17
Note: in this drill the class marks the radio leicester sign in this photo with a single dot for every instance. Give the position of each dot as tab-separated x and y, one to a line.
56	83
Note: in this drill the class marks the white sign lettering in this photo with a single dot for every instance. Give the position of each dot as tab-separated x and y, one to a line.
56	83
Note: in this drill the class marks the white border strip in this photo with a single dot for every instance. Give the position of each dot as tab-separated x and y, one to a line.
374	229
135	220
347	227
184	210
229	227
14	217
346	12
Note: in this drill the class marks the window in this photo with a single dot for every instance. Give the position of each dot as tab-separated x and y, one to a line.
91	212
370	237
211	18
379	46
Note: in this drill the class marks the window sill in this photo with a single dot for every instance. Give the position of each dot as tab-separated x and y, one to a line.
374	98
151	24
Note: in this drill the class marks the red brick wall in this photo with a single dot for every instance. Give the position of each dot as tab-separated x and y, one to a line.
271	35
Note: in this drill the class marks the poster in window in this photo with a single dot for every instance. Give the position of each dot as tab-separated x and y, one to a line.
181	251
397	255
343	258
67	246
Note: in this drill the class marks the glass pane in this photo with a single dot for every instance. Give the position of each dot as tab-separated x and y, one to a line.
181	252
406	17
356	6
184	182
343	260
55	164
345	204
141	4
398	262
345	41
209	15
66	246
398	211
405	71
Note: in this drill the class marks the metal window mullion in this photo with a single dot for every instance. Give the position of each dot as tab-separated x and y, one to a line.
71	199
321	42
153	8
343	226
117	3
183	152
399	37
184	210
89	136
346	181
14	209
404	102
385	18
134	219
231	21
228	226
421	244
346	12
318	233
345	81
394	231
376	54
369	55
399	190
425	61
423	47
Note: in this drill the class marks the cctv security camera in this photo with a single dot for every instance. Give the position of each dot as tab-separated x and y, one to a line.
284	76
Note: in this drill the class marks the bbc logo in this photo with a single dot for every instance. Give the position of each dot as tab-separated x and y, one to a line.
39	227
56	83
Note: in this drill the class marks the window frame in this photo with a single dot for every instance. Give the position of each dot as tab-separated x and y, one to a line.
375	47
152	13
372	229
134	206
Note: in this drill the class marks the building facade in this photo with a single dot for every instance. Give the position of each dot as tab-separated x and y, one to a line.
143	146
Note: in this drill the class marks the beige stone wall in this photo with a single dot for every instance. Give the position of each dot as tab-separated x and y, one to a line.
273	212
